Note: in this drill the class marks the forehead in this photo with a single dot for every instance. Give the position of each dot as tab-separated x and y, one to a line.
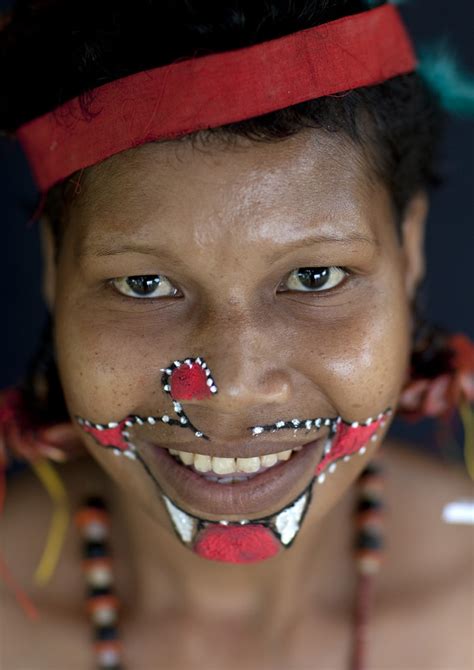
214	188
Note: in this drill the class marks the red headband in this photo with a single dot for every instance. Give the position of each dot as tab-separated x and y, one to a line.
210	91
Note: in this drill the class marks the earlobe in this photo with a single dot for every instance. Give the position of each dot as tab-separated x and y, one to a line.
49	263
413	235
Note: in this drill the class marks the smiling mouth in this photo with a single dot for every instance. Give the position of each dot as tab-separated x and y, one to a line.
226	470
224	524
232	488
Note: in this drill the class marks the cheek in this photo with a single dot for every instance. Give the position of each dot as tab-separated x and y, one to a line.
108	367
359	362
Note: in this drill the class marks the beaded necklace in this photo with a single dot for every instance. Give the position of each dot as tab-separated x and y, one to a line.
102	604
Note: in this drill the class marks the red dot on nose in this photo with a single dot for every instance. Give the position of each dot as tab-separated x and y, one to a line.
189	382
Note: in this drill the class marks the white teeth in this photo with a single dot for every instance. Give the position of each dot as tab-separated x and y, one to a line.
269	460
249	464
202	463
223	466
228	466
186	457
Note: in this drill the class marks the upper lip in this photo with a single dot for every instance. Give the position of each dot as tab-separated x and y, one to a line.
241	449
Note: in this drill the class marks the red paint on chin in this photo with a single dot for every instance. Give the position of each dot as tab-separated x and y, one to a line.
109	437
236	544
189	382
348	440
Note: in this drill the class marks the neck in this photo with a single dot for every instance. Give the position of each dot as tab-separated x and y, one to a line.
316	572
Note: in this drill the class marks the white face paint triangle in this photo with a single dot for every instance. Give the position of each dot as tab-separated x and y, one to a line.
287	522
184	524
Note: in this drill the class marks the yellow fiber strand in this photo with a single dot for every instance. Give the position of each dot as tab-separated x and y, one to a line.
59	524
467	417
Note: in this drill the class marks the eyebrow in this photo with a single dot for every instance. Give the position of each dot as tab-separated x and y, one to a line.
346	239
111	249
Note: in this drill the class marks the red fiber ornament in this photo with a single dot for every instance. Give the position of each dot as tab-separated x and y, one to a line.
189	382
237	544
441	395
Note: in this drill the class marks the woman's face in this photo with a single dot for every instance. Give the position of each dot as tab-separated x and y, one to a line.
220	233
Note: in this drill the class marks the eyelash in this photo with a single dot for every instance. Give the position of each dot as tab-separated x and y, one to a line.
342	269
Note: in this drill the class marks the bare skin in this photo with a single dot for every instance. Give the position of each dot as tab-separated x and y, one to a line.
220	214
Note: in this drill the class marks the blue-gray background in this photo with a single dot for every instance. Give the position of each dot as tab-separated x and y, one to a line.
450	239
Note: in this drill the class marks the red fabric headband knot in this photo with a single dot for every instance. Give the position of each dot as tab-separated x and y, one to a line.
210	91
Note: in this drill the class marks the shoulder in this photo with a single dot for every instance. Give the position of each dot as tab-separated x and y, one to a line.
418	487
28	513
427	581
24	526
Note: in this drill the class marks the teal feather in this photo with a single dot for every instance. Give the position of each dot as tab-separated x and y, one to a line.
439	67
451	83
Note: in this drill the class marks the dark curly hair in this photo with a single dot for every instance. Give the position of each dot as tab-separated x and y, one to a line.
60	50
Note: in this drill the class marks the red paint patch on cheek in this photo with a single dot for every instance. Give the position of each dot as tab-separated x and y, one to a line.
189	382
237	544
109	437
348	440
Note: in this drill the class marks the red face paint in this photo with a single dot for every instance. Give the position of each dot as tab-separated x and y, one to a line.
236	544
189	382
348	440
107	437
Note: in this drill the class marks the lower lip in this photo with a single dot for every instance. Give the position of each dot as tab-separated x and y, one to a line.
264	494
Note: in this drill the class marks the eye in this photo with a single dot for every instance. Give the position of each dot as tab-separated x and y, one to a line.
315	279
145	286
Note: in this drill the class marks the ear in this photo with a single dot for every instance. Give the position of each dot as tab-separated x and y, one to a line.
48	249
413	237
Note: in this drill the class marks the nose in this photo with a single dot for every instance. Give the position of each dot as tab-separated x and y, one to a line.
251	378
248	382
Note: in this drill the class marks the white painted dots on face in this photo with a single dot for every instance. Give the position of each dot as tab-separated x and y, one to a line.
188	379
350	439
